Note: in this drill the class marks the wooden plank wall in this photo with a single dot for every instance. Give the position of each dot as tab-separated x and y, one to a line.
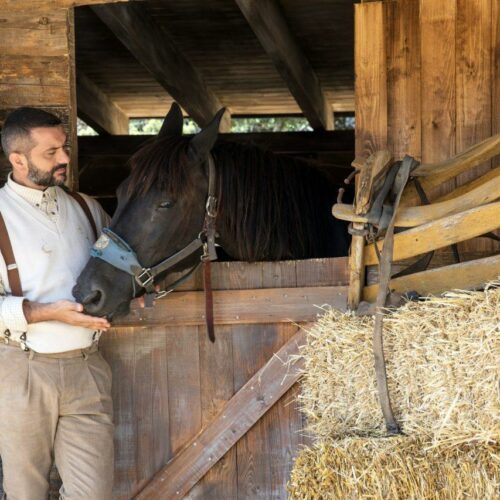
427	84
171	381
37	63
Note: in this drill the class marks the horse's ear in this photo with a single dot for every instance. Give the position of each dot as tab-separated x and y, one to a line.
172	125
201	144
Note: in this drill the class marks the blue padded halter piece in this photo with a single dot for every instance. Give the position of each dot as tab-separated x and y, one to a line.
115	251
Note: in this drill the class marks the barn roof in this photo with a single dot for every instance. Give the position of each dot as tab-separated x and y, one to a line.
252	60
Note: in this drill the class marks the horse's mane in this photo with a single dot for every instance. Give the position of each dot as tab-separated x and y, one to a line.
274	207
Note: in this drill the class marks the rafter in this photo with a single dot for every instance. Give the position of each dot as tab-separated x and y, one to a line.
97	109
271	28
153	48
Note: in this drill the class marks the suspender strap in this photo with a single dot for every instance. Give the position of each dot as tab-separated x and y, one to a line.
10	261
79	199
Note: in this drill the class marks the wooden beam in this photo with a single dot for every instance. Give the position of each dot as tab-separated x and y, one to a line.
155	50
466	275
47	5
97	109
440	233
233	307
272	31
280	142
370	68
237	417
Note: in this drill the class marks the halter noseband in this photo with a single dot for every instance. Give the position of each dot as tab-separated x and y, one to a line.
117	252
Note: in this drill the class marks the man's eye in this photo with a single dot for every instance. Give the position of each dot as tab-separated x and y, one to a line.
166	204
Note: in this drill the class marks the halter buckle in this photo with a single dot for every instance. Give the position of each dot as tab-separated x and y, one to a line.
211	206
146	272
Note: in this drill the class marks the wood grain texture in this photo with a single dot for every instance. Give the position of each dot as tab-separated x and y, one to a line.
403	78
236	307
217	388
184	397
438	95
118	350
370	63
257	396
469	186
73	173
473	79
432	176
464	276
16	5
495	73
440	233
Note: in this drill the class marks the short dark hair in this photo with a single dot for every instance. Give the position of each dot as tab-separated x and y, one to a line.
20	122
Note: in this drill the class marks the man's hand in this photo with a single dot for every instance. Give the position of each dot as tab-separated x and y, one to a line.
64	311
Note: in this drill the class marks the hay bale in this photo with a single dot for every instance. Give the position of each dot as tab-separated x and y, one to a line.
443	366
397	468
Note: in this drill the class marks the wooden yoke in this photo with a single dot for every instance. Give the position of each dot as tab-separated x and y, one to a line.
368	180
470	211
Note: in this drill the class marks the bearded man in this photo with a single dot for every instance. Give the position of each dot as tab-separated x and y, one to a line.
55	387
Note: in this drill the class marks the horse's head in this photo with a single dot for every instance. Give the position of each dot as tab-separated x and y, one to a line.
161	209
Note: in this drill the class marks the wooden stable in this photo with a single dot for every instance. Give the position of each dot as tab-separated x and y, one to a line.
219	421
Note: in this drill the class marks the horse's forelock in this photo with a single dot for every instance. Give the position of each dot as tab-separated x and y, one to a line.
162	163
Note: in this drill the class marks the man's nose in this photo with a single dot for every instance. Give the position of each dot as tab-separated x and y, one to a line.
63	157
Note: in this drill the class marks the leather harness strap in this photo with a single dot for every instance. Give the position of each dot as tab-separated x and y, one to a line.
10	260
209	303
400	180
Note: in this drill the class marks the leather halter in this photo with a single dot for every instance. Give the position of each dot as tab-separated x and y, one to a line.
114	250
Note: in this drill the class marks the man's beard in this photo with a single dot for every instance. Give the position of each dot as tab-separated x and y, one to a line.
45	179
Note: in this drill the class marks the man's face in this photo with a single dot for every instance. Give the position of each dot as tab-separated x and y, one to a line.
45	164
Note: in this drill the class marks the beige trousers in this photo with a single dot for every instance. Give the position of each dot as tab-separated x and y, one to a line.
55	407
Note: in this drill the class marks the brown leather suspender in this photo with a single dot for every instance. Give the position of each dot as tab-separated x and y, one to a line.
8	253
83	204
10	260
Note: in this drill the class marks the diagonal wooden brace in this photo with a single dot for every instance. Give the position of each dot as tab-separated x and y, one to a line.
239	414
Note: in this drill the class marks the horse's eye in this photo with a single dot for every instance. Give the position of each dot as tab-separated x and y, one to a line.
166	204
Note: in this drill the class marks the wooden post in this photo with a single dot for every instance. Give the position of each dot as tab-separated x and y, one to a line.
356	268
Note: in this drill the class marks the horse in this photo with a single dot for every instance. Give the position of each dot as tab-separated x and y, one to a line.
266	206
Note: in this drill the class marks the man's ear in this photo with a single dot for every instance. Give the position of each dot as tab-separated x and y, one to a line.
18	160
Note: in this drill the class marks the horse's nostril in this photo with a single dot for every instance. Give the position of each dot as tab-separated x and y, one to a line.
92	298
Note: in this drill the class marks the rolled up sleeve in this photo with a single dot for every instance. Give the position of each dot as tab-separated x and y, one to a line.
12	315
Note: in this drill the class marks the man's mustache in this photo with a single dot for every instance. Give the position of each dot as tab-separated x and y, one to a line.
57	167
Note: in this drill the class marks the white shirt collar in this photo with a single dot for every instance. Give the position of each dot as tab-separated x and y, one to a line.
32	196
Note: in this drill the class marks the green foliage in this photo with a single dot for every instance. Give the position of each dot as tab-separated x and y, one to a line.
83	129
151	126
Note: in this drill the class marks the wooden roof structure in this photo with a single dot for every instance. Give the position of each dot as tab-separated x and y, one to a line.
255	58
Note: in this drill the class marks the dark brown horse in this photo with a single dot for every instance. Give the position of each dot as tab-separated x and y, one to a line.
269	208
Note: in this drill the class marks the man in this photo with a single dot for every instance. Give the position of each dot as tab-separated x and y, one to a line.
55	388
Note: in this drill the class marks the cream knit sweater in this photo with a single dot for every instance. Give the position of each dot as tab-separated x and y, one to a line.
51	239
